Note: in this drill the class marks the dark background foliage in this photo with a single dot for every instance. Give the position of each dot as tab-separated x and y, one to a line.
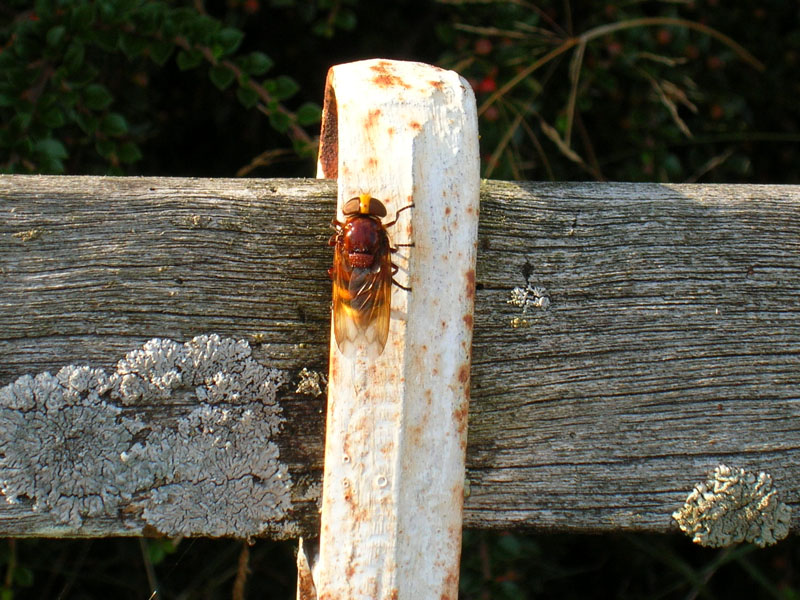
678	91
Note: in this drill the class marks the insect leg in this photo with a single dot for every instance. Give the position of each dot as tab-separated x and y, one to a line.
397	213
395	268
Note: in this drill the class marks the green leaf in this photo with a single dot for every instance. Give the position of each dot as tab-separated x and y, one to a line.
23	576
106	39
73	57
52	117
346	19
114	124
87	122
221	76
160	52
83	75
23	146
282	87
132	45
247	96
20	121
304	148
7	100
129	153
279	121
80	17
43	8
322	29
113	11
309	113
189	59
149	18
55	35
256	63
51	148
198	28
97	97
105	148
229	39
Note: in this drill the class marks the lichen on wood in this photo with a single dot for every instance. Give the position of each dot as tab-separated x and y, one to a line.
79	444
734	506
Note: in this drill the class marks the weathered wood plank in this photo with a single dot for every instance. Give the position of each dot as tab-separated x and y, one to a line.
671	342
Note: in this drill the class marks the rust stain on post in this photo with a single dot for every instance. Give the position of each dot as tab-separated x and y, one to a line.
385	76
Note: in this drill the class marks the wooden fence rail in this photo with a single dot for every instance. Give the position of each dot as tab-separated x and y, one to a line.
628	338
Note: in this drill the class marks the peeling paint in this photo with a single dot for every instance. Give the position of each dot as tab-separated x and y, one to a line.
78	445
734	506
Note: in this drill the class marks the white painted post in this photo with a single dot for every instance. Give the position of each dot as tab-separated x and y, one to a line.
397	424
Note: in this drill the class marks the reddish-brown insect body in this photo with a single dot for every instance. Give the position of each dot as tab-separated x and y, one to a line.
362	278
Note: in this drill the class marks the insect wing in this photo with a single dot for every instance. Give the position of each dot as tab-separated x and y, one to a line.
362	303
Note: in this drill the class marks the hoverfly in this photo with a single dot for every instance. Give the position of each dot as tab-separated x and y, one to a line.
362	276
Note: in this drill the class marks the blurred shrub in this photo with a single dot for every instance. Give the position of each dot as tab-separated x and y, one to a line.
75	80
666	91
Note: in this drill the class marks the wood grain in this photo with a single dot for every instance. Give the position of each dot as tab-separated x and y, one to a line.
671	342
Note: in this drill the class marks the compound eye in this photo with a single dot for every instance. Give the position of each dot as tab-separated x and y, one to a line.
377	208
365	205
352	206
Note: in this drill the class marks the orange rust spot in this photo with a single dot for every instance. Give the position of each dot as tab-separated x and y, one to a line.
437	85
447	210
393	595
415	125
372	118
468	320
415	433
460	414
372	162
385	78
390	131
463	374
470	284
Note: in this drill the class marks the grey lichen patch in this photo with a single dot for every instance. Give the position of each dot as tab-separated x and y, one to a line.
60	444
28	235
311	383
733	506
76	447
529	298
223	475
